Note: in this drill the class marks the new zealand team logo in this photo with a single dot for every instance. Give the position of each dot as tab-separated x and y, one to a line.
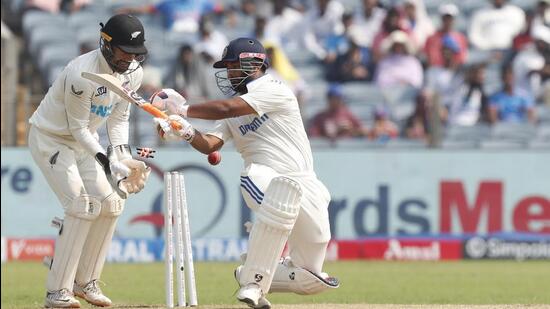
135	34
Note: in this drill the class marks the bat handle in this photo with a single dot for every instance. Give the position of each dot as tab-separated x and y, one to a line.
175	125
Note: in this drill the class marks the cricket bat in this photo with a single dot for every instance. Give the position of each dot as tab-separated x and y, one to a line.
114	84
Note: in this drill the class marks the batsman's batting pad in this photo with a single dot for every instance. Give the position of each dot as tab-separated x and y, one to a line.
293	279
275	219
99	239
79	215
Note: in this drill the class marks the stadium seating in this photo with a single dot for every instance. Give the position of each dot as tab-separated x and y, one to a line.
54	39
56	55
35	19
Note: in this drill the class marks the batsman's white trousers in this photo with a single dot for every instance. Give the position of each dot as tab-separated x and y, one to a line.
309	238
68	168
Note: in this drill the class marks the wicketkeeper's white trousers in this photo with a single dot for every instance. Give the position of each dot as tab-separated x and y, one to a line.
68	169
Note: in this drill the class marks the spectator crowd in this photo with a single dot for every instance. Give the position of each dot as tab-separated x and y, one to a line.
405	63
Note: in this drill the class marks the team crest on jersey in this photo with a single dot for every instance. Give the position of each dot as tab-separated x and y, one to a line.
254	125
100	91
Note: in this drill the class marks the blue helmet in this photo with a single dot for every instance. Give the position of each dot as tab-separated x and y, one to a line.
242	48
251	56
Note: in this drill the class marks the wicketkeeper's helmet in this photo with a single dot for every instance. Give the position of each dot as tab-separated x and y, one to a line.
125	32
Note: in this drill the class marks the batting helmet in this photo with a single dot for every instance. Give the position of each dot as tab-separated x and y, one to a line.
242	48
251	56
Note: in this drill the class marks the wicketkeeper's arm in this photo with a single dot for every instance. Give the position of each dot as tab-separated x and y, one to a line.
78	97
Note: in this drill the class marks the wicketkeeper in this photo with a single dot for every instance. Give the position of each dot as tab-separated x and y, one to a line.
90	182
278	182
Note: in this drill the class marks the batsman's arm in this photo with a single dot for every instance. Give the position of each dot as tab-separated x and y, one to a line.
206	143
220	109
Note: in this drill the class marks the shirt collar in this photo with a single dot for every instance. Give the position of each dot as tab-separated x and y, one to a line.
258	81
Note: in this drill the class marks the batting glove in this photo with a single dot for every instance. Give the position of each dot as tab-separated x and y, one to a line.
171	101
166	132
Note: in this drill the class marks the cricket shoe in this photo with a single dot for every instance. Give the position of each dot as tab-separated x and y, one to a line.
262	303
61	299
252	295
92	294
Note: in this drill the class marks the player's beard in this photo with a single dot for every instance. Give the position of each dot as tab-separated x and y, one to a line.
125	67
230	86
119	66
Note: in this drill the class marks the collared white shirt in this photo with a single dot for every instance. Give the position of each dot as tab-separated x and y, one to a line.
275	135
75	107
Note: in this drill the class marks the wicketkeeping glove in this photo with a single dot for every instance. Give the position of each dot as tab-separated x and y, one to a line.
139	173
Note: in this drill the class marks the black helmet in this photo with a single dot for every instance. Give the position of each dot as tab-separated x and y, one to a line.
125	32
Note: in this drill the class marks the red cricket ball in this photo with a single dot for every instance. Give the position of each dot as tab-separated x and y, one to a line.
214	158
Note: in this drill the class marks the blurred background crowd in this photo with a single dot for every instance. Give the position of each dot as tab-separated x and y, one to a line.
367	73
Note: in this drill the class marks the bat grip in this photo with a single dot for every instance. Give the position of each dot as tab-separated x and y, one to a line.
151	109
175	125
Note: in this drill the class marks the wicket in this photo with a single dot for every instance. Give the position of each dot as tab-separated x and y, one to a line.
176	230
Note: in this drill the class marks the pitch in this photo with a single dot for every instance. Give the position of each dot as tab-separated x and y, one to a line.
364	284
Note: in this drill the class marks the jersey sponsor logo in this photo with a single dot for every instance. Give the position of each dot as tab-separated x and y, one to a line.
101	110
254	125
74	91
100	91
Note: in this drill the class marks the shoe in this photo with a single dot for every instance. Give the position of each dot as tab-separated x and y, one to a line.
61	299
263	303
92	294
250	294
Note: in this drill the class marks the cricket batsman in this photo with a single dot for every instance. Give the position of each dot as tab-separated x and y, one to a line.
278	181
89	181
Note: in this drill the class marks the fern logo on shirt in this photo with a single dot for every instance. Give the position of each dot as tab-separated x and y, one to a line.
101	110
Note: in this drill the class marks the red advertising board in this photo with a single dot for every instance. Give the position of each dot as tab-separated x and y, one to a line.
27	249
399	249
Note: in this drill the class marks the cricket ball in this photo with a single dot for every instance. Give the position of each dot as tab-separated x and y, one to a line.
214	158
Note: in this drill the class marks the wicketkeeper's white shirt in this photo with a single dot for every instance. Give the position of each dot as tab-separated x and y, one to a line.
275	135
74	107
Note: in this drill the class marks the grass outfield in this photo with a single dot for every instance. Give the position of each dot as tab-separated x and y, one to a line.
467	282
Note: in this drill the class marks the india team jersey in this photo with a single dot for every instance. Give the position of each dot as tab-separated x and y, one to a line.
275	135
74	108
